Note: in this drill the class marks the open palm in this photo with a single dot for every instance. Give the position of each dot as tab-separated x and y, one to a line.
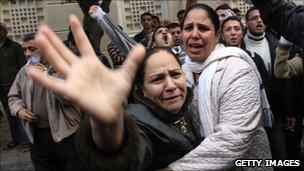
99	91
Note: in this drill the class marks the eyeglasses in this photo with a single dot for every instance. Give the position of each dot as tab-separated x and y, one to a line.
30	48
254	18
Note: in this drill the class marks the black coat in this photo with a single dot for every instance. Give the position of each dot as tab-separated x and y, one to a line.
278	91
286	18
151	141
298	84
12	60
142	38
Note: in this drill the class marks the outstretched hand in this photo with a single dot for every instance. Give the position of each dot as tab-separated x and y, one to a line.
99	91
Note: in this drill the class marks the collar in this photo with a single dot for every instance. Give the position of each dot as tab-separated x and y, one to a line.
177	49
256	39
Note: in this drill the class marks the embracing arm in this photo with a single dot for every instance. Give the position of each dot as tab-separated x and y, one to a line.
239	115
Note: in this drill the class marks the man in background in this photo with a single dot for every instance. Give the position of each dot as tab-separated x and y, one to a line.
12	59
147	23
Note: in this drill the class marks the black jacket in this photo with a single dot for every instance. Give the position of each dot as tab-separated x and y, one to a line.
142	38
298	84
151	141
12	59
278	91
286	18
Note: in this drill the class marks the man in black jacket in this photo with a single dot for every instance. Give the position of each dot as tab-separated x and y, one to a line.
12	59
284	17
279	92
144	36
287	19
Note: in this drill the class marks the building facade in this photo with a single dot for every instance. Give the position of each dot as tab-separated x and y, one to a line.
24	16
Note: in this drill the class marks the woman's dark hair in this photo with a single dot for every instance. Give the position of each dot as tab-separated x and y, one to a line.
231	18
210	12
180	12
139	79
152	38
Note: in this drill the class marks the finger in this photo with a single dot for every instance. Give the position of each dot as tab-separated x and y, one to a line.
60	47
47	81
39	64
120	59
117	60
30	113
132	62
81	38
30	118
39	67
51	54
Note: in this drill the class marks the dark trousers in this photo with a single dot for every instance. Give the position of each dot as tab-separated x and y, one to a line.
276	136
18	134
48	155
293	139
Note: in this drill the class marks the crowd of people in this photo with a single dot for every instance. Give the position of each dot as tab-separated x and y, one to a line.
197	93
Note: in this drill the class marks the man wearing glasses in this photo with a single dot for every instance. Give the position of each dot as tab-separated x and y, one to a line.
11	60
279	92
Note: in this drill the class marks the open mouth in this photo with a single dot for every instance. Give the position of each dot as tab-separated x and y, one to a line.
259	26
233	39
171	98
165	38
195	45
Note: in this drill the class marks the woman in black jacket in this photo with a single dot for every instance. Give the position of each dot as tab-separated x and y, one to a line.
158	132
